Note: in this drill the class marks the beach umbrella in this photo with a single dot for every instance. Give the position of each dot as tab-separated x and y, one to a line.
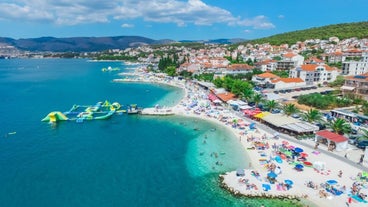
331	182
288	153
271	175
266	187
291	147
299	166
298	150
364	174
289	182
303	154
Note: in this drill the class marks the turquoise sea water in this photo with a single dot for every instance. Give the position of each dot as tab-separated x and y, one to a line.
127	160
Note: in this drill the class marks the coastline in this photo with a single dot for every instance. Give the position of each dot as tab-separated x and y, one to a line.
230	181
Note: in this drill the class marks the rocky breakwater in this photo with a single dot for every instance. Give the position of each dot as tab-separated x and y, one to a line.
247	185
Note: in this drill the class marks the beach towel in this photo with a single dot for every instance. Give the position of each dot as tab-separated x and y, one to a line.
278	187
316	152
357	198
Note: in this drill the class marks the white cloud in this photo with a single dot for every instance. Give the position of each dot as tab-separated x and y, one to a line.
72	12
258	22
281	16
127	25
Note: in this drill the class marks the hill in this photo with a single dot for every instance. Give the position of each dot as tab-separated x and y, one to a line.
76	44
342	31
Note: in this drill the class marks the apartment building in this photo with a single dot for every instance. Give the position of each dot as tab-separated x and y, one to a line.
357	84
356	67
314	73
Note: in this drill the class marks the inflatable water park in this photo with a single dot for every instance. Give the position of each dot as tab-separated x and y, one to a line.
80	113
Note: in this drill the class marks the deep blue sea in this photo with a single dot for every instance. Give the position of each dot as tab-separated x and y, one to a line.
128	160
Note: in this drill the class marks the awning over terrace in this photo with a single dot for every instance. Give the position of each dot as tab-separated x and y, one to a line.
212	97
289	123
349	88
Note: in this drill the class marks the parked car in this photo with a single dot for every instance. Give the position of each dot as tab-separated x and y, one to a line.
321	126
251	104
353	139
362	144
296	116
276	92
275	111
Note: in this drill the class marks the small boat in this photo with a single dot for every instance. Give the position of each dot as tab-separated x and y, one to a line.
133	109
110	69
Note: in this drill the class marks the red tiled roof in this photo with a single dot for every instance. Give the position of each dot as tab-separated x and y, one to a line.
226	96
240	67
331	136
309	67
313	67
289	55
268	75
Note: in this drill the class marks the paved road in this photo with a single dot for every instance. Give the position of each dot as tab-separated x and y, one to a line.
304	143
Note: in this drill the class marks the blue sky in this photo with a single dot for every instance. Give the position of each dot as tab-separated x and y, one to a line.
172	19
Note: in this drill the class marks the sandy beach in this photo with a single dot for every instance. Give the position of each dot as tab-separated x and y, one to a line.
307	181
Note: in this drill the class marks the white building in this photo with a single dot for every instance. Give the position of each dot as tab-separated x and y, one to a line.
356	67
290	60
314	74
284	83
264	78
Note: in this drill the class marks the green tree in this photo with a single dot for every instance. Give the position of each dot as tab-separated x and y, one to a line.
338	82
340	126
271	104
364	107
257	99
170	71
312	115
247	94
290	109
364	135
218	82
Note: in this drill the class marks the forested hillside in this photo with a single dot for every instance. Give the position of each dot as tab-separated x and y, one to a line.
342	31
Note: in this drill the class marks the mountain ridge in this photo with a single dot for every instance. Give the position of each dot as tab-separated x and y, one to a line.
92	44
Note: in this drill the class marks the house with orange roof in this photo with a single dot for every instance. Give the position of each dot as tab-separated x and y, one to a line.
190	67
235	69
314	74
290	60
225	97
266	65
356	84
282	83
264	78
314	60
335	57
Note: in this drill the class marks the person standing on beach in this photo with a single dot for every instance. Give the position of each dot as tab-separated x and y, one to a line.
361	159
340	174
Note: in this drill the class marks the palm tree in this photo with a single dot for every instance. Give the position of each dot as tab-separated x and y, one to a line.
364	134
313	115
257	98
247	94
290	109
271	104
340	126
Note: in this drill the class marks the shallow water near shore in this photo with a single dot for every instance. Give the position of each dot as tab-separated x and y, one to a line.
127	160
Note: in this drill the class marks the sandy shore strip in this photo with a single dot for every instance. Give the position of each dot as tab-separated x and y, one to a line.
307	182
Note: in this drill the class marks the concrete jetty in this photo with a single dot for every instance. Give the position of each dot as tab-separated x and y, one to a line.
157	111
